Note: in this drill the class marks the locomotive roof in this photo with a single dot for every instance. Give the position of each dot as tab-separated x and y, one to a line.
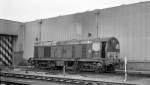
94	39
74	41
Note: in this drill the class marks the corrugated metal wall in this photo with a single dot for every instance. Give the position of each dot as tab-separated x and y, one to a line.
11	41
62	28
9	27
31	33
128	23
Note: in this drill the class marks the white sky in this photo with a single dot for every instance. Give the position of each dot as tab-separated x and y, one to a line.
29	10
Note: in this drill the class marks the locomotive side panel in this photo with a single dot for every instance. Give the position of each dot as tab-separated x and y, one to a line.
53	52
89	51
36	52
78	51
68	52
86	51
40	52
47	51
96	50
63	52
58	52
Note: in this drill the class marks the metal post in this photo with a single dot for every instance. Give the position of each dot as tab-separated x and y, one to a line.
125	69
64	69
13	57
97	23
40	31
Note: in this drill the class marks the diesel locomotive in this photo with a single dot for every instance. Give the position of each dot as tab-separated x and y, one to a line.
99	55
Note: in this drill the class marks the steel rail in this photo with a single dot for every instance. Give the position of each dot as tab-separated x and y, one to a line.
62	80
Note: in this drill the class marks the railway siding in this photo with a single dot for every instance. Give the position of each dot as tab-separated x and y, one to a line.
64	78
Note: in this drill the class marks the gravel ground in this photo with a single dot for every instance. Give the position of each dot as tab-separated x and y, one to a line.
140	80
35	82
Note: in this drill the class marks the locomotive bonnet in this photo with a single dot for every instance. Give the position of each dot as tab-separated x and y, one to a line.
100	54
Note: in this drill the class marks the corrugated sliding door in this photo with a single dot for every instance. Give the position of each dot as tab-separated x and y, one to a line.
6	50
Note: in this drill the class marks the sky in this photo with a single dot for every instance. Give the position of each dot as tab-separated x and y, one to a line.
30	10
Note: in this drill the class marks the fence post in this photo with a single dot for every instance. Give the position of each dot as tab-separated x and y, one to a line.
125	69
64	69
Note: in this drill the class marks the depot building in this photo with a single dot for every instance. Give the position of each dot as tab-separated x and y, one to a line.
128	23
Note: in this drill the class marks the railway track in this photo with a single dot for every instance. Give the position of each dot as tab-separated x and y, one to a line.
56	79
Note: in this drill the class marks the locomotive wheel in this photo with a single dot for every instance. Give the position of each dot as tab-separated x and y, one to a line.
110	68
100	70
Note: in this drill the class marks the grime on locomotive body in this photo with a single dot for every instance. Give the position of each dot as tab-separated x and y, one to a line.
99	55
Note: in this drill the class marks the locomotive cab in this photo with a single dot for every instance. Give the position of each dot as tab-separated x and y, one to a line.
111	51
107	51
103	53
107	47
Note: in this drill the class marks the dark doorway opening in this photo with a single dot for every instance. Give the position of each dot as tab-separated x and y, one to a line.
103	50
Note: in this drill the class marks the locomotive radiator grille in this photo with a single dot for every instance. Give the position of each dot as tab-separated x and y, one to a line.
6	49
84	47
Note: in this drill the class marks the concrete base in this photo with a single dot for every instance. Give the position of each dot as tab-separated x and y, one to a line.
139	66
